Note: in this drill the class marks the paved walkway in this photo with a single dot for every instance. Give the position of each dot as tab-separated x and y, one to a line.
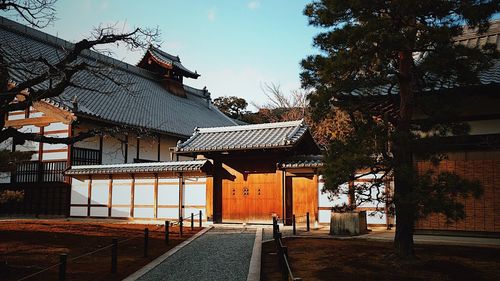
219	254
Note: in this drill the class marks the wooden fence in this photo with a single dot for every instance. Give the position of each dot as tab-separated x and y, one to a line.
282	251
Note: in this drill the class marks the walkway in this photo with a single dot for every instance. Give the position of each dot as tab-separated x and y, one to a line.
219	254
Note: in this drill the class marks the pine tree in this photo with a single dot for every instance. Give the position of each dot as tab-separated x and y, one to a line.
376	60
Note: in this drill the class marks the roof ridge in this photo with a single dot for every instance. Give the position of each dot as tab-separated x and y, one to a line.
169	163
251	127
57	42
177	58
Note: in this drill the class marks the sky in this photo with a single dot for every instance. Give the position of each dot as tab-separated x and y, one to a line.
236	45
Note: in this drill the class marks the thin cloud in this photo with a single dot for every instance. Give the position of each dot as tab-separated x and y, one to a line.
211	14
252	5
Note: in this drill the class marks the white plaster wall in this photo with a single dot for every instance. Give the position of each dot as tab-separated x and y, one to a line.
144	192
148	148
113	151
121	193
166	144
79	191
100	192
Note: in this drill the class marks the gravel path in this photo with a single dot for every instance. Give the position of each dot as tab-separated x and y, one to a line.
220	254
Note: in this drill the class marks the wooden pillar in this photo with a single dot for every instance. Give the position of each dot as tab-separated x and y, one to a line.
89	201
217	191
40	145
132	195
156	197
181	195
110	194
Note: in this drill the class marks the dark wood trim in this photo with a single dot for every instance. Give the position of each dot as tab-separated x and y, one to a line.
40	145
138	143
100	149
126	149
159	147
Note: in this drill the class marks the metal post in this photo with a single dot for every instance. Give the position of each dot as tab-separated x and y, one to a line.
201	218
294	225
114	255
307	221
62	266
180	226
167	231
192	221
146	242
274	227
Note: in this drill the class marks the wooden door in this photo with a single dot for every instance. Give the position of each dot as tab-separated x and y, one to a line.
252	199
304	193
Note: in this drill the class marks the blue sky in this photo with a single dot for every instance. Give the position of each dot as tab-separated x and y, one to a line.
236	45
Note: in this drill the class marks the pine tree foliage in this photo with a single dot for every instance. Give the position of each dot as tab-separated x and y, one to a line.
380	62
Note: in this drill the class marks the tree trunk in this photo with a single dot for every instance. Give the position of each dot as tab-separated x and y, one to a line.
403	170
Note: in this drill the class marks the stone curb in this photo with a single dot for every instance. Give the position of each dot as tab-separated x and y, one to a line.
145	269
255	261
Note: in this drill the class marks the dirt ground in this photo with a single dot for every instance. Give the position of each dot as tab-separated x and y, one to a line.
322	259
28	246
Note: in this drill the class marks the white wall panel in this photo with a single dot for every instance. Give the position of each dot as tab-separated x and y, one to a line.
195	194
168	213
113	151
120	212
121	191
55	155
168	194
148	148
78	211
100	192
144	192
324	201
143	213
79	191
98	211
324	216
56	126
195	211
373	217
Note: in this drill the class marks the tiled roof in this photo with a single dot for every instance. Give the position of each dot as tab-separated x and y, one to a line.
144	103
174	61
156	167
302	161
243	137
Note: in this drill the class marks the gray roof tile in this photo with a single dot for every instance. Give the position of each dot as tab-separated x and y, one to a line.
302	161
156	167
143	103
259	136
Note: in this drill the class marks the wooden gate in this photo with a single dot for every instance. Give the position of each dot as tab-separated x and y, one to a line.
253	200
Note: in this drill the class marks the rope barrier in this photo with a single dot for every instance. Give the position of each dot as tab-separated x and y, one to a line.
83	255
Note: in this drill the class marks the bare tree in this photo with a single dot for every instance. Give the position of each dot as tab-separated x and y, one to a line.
281	106
43	78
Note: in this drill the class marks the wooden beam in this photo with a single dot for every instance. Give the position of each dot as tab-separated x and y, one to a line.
36	121
138	143
89	201
100	149
159	142
40	145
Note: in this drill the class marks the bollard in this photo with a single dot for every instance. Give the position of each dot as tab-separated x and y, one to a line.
294	225
146	241
200	218
62	266
192	221
274	227
180	226
167	231
114	255
307	221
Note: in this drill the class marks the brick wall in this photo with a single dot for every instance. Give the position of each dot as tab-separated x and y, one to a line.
482	214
